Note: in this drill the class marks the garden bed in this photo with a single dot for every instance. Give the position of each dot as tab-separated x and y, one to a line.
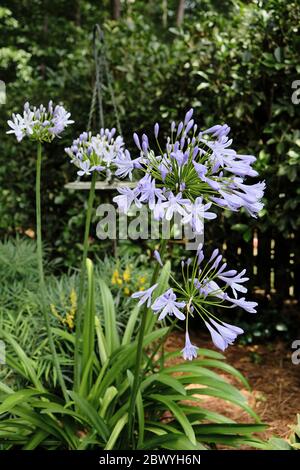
274	381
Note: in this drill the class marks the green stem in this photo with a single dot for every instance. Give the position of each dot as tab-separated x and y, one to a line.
43	289
139	352
78	336
159	345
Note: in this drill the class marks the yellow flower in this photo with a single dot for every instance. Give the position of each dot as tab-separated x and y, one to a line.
126	291
126	274
73	299
141	279
55	313
69	320
119	281
115	277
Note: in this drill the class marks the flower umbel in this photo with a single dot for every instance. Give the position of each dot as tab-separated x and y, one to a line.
192	172
40	123
203	287
103	152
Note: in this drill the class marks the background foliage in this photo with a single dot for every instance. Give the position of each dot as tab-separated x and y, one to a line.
233	61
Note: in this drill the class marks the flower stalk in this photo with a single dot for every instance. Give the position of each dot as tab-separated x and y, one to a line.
43	290
139	351
78	335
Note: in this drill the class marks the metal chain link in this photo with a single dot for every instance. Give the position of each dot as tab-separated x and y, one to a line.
112	94
101	64
92	108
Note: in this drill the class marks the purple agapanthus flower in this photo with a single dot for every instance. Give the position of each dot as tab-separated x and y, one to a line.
60	120
194	166
149	192
125	165
202	287
126	198
175	205
244	304
189	352
235	281
102	153
40	123
144	296
158	257
85	168
166	304
196	213
223	334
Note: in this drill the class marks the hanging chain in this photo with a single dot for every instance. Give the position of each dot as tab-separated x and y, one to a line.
101	64
112	94
92	108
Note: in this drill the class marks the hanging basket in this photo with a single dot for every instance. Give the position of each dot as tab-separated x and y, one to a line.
96	113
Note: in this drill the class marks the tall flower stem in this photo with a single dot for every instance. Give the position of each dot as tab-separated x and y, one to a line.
43	290
78	336
139	352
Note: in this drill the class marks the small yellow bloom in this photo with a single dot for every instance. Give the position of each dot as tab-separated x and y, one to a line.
142	279
126	291
119	281
69	321
115	277
55	313
73	299
126	274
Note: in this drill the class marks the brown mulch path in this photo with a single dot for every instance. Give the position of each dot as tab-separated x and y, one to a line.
274	380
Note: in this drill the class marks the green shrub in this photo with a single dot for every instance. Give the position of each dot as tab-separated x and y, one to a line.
34	414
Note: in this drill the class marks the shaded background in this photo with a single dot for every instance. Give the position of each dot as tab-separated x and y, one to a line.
233	61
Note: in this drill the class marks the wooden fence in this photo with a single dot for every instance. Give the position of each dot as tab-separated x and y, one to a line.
272	262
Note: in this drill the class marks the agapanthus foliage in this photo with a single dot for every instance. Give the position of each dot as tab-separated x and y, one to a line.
40	123
203	288
104	152
194	171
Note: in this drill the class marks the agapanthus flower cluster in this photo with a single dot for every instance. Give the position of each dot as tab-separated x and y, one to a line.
40	123
103	152
194	171
203	287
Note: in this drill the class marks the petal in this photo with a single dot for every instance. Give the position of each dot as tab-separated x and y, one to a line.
217	339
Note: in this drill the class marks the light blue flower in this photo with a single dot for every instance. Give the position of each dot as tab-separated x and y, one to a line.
124	165
223	334
204	165
158	258
85	168
40	123
244	304
189	352
105	152
59	120
175	205
126	198
144	296
149	192
166	304
196	213
17	125
234	281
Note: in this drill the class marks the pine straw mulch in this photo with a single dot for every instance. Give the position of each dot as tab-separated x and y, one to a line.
274	380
